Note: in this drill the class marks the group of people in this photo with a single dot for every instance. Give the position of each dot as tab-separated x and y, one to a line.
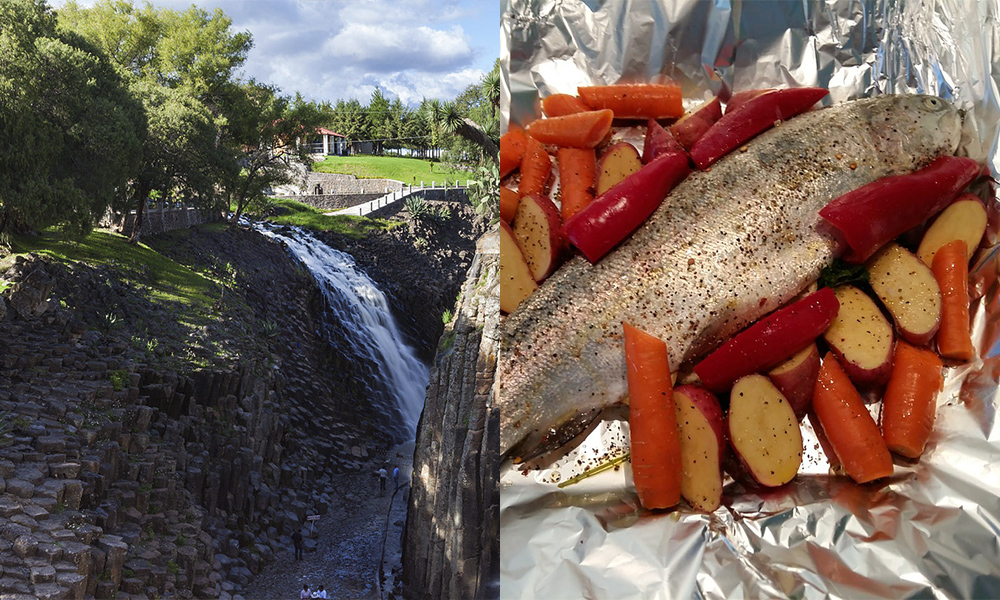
319	592
383	473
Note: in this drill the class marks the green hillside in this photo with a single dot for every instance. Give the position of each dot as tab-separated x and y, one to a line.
407	170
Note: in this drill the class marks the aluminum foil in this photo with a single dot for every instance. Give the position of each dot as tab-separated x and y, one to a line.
933	529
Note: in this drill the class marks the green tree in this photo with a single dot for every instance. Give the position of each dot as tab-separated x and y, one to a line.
378	119
180	157
349	119
181	67
70	132
266	135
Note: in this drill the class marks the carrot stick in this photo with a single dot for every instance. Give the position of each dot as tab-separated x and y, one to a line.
535	168
560	105
951	269
908	406
655	441
848	426
508	204
636	101
511	150
577	172
580	130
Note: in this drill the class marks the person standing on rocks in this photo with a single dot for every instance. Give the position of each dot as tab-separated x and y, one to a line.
395	477
381	481
305	586
297	542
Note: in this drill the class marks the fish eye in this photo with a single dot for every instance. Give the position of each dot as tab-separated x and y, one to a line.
933	103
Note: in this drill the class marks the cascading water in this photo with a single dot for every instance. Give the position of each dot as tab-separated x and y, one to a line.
357	305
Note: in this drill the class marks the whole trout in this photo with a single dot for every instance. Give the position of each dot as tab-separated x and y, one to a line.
726	247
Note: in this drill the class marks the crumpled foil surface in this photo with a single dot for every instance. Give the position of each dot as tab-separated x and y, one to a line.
932	530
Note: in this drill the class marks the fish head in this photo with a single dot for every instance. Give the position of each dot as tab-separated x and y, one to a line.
914	128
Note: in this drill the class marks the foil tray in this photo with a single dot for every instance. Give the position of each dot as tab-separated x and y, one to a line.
933	529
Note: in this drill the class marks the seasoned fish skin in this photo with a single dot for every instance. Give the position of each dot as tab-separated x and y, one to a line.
727	246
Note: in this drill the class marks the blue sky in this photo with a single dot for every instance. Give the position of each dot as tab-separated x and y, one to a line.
330	49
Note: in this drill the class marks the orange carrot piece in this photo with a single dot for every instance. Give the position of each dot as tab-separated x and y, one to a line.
580	130
535	168
508	204
655	439
560	105
512	146
908	406
577	174
951	269
848	426
636	100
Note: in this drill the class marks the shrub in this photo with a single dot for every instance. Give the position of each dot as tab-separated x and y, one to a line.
119	379
418	207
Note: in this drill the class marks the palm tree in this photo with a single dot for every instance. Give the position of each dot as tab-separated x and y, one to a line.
444	117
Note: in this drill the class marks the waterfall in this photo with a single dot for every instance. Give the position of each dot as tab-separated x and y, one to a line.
357	306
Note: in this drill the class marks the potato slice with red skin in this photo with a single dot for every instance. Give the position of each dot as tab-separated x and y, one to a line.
703	446
536	228
516	282
693	124
617	163
906	286
860	337
796	377
763	431
964	219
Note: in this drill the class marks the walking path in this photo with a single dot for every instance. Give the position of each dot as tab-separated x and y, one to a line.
365	208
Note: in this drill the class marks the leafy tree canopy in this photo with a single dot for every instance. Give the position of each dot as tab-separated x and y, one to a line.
70	131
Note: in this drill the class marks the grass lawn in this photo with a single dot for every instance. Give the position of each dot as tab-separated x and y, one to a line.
304	215
171	280
402	169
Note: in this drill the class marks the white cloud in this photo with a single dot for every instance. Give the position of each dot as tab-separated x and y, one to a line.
391	50
342	49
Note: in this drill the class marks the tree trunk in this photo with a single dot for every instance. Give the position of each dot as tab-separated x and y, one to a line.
452	536
139	197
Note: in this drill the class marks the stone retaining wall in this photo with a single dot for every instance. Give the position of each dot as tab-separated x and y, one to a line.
159	220
436	194
333	201
337	183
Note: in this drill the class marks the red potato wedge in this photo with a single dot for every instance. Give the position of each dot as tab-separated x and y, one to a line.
755	116
763	431
689	128
906	286
536	228
860	337
796	377
508	203
516	282
703	446
964	219
740	98
658	141
617	163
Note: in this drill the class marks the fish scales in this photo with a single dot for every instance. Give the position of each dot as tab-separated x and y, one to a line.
727	246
